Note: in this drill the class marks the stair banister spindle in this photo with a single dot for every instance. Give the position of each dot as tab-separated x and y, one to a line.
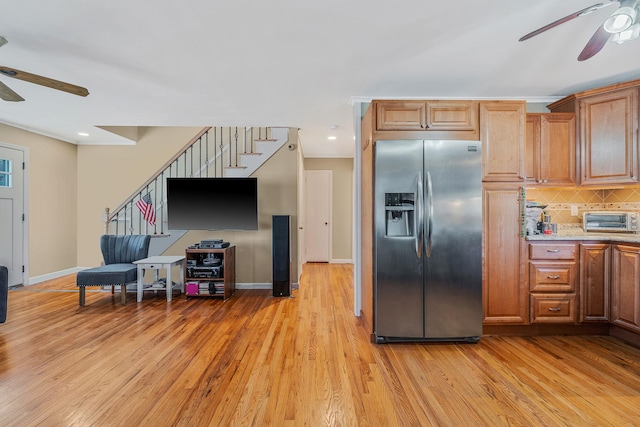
138	214
199	157
206	153
236	145
230	164
215	152
155	204
161	177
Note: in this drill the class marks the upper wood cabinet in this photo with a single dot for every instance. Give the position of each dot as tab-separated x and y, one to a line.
502	127
428	116
609	138
607	133
550	149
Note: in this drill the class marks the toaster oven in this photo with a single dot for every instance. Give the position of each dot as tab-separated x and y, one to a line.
611	221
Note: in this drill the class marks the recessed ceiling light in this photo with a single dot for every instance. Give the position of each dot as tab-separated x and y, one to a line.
331	138
83	134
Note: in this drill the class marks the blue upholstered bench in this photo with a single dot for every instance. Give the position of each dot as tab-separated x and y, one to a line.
118	253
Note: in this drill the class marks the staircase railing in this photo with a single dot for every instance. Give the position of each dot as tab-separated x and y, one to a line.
212	151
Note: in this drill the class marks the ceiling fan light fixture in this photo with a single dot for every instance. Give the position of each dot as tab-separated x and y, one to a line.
621	19
631	33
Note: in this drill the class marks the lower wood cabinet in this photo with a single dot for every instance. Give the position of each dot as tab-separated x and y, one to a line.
595	282
552	282
504	295
625	284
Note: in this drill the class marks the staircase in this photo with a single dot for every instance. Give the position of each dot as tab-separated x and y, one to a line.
213	152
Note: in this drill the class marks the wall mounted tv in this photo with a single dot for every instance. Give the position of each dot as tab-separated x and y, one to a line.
212	203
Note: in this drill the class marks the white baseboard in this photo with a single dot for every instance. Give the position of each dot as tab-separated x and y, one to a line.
341	261
260	286
61	273
54	275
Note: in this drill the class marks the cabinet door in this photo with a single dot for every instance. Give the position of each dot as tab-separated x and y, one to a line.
609	138
452	115
550	149
502	125
401	115
625	301
595	261
532	149
557	163
504	296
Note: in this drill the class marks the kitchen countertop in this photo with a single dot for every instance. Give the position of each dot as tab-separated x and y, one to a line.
575	232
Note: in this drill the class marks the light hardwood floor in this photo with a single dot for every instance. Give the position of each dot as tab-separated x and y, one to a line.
261	361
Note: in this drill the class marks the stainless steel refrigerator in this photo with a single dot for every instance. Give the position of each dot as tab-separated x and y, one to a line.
428	241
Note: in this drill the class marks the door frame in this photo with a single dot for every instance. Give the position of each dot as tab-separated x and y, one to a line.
330	207
25	208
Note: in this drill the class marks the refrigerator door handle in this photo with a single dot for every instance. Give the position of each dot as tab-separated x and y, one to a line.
430	207
419	220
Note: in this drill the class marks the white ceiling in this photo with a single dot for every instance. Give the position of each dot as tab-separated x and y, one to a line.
293	63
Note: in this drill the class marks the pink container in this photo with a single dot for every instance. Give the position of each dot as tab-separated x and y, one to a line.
191	288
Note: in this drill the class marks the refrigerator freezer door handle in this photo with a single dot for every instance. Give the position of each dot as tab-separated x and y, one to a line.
419	217
430	207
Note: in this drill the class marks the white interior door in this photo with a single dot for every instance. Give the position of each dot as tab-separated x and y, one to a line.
11	210
318	209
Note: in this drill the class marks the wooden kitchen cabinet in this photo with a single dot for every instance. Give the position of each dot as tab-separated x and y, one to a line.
550	149
609	138
502	128
625	286
504	294
366	221
427	115
552	282
607	133
595	282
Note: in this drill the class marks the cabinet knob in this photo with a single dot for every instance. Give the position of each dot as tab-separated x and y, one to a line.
556	309
553	277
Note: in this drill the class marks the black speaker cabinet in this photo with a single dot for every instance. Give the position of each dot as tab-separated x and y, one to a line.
281	242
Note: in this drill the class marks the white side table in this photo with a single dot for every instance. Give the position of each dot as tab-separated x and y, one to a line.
156	263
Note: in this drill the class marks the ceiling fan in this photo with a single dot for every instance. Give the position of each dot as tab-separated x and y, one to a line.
7	94
620	27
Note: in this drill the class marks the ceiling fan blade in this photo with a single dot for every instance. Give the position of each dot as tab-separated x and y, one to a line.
595	43
43	81
567	18
9	95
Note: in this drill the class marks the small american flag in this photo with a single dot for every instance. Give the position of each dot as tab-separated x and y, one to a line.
146	208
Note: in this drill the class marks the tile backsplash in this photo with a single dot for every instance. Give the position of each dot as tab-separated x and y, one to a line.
559	201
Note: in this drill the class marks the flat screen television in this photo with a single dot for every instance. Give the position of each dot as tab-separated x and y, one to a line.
212	203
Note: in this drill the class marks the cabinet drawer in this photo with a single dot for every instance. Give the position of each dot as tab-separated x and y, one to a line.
553	308
552	251
552	276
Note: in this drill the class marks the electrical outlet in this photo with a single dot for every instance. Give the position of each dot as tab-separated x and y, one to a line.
574	210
